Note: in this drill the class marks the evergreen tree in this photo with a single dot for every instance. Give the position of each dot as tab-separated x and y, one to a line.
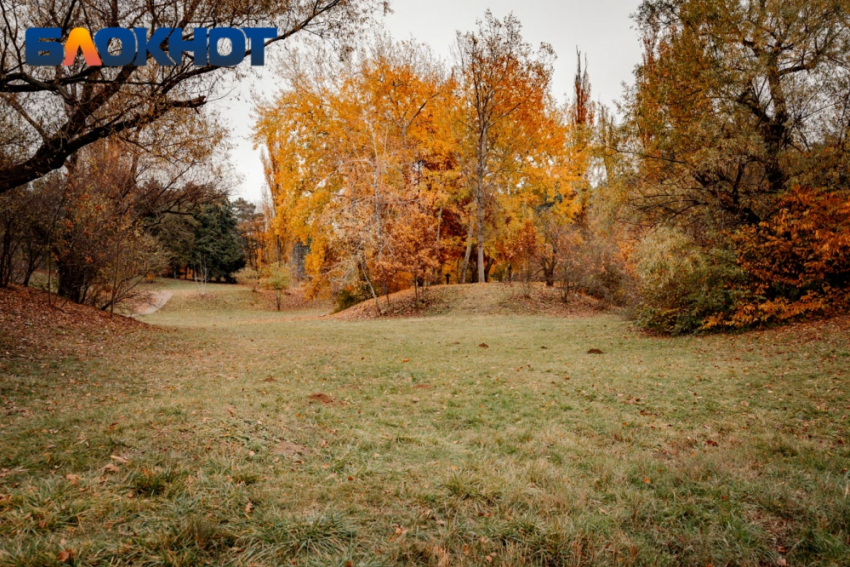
218	244
176	234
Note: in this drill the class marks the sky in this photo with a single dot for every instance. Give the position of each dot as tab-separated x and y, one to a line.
601	29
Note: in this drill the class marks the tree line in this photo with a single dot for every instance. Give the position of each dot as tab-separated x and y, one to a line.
397	171
716	196
95	236
111	173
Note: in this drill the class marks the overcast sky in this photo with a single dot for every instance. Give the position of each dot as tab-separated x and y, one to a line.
600	28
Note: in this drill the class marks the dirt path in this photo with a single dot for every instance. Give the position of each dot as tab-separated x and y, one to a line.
157	301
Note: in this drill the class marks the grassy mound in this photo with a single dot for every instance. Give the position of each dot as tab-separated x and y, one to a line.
472	300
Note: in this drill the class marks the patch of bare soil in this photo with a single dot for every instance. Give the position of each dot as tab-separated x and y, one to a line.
30	328
151	302
475	299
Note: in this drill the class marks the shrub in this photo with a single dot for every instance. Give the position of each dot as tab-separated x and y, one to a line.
350	296
277	278
797	262
683	285
592	264
248	277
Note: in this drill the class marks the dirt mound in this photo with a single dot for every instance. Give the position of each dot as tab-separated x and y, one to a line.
30	328
478	299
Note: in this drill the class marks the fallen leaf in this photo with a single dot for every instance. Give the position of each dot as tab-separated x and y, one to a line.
324	398
66	555
249	508
595	351
118	459
73	479
110	468
484	345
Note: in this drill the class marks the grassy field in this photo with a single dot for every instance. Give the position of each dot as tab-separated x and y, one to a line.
228	434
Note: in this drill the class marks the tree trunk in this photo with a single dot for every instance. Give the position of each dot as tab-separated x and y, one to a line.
482	276
371	289
466	257
488	267
72	283
479	201
548	265
6	257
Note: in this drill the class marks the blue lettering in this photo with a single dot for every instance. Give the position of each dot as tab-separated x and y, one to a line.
152	46
237	51
177	46
166	46
128	46
34	46
258	43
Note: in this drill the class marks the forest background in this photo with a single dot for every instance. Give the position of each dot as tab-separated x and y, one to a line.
714	196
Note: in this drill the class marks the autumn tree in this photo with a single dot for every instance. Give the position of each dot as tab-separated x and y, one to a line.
353	147
114	190
47	114
28	221
391	167
564	210
736	101
734	142
503	92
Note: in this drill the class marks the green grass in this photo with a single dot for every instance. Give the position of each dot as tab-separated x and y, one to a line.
694	451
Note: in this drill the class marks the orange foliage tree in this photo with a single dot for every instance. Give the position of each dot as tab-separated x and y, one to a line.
510	136
390	167
358	161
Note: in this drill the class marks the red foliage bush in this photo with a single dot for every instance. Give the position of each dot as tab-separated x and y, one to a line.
798	262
